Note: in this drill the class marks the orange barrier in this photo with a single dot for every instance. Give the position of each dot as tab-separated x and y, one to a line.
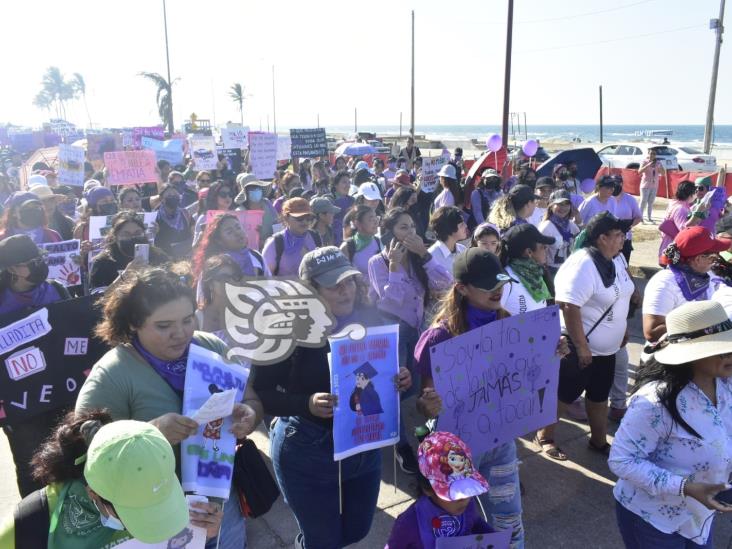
667	184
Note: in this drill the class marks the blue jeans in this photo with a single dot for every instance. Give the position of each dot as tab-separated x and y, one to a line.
408	338
302	455
233	534
502	503
639	534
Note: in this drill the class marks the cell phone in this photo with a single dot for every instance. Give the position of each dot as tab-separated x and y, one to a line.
142	252
724	497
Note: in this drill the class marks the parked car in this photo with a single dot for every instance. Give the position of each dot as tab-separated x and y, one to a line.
632	155
693	160
203	154
379	146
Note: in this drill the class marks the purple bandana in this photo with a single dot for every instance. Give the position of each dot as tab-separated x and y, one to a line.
293	243
692	284
244	259
562	225
41	295
434	522
173	372
478	317
175	221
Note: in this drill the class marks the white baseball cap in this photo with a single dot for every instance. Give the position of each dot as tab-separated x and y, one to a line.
370	191
447	170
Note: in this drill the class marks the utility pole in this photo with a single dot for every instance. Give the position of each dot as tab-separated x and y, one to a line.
171	126
318	120
355	120
600	113
718	26
507	74
274	105
400	124
411	129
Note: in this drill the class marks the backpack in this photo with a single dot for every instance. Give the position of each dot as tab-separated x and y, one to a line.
32	520
351	247
279	242
485	206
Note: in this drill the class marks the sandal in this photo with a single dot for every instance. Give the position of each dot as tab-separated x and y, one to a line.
554	451
604	449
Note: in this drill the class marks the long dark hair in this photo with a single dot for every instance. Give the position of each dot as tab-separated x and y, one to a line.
453	185
672	379
387	226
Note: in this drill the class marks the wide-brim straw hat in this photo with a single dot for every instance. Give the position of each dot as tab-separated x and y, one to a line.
696	330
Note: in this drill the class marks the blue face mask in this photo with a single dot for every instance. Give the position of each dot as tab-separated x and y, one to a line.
255	195
68	208
113	523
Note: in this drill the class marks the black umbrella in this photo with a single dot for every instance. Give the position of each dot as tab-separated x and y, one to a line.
588	163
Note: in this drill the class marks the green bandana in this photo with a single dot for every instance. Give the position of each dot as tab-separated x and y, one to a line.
531	275
361	241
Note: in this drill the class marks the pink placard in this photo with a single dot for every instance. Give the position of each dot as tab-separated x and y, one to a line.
130	167
250	221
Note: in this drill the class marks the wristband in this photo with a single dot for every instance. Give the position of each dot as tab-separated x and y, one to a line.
682	487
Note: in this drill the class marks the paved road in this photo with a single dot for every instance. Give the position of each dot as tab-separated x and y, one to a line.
567	505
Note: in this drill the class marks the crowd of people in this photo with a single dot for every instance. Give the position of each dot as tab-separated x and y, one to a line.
380	249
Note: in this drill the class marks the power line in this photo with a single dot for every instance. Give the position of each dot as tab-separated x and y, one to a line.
586	14
568	46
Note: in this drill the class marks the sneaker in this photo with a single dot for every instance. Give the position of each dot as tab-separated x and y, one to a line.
616	414
651	221
577	411
406	459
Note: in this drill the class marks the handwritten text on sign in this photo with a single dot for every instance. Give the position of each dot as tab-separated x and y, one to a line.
499	381
130	167
308	143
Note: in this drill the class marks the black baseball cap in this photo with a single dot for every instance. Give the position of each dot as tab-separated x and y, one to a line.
17	249
520	195
603	223
545	181
326	267
520	237
479	268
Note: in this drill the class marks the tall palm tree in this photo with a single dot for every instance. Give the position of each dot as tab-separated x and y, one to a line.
79	85
55	90
163	98
237	96
43	100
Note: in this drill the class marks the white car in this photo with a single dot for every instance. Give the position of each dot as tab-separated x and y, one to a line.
693	160
632	155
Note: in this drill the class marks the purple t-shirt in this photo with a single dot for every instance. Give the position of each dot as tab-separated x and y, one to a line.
289	262
361	258
626	207
592	206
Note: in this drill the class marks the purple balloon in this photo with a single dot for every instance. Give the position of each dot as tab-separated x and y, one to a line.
587	185
530	147
494	143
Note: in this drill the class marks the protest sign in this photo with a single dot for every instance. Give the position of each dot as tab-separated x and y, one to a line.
235	138
232	157
99	143
495	540
45	358
430	166
499	381
208	456
156	132
130	167
284	144
64	261
70	165
362	375
191	537
308	143
203	152
25	142
263	154
99	226
170	150
250	221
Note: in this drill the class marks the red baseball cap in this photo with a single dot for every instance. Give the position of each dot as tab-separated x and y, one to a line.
694	241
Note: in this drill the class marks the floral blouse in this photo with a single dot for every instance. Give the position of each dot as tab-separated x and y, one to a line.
652	454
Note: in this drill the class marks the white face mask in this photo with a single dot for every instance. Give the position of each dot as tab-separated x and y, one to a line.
109	521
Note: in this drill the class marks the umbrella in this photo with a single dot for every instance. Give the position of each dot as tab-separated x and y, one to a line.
587	163
354	149
49	155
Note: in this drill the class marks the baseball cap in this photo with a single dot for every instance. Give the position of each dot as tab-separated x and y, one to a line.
447	463
448	171
557	197
479	268
402	178
361	176
132	465
705	181
370	191
17	249
544	181
603	223
520	237
321	204
609	181
326	266
296	207
489	172
694	241
521	195
361	165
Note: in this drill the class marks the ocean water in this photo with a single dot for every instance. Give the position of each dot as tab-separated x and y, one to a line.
692	135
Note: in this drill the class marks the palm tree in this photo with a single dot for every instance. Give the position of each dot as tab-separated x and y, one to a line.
163	98
56	90
43	100
237	96
77	81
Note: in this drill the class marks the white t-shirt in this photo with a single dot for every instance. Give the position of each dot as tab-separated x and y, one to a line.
442	255
536	217
558	252
445	198
516	299
663	295
722	293
578	283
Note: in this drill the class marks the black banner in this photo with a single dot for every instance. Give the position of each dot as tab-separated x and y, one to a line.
308	143
45	357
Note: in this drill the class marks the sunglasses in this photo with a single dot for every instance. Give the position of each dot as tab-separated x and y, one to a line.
224	194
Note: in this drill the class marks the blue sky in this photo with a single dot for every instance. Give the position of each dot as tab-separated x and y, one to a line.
332	56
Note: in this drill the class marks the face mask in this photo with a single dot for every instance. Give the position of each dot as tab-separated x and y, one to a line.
172	202
392	166
68	209
113	523
573	172
31	218
127	247
107	209
38	272
563	176
255	195
617	190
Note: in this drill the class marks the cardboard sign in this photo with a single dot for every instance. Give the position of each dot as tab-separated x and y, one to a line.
430	166
362	375
284	144
263	154
99	143
99	226
308	143
170	150
38	374
192	537
70	165
64	261
499	381
203	152
130	167
156	132
250	221
207	458
235	138
496	540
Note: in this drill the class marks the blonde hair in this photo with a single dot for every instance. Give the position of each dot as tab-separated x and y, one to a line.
451	313
502	213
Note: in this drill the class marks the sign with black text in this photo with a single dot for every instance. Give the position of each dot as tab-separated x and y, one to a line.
308	143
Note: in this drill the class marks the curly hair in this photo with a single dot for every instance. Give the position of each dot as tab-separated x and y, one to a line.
139	294
502	214
209	245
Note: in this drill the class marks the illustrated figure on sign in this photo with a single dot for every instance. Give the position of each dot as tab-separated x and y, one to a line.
364	398
212	429
181	540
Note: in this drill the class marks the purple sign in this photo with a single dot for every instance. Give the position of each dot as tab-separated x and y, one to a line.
496	540
499	381
156	132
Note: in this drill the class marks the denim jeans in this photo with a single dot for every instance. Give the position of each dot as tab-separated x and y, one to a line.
619	390
648	197
233	534
302	455
639	534
502	503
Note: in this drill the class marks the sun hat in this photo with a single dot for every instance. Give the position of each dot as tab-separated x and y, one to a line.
326	266
296	207
322	204
448	171
17	249
37	179
370	191
447	463
479	268
695	330
243	178
44	191
132	465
